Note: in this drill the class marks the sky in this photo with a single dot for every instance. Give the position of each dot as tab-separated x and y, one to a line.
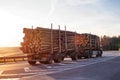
100	17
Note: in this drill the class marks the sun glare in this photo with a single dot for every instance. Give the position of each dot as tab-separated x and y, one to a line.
9	32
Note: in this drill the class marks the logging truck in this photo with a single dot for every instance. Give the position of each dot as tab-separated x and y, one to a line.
53	45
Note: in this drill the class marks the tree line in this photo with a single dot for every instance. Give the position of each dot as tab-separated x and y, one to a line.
110	43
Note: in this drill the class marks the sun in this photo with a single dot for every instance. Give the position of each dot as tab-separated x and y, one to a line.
10	30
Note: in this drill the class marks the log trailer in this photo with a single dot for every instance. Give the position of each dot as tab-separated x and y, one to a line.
48	45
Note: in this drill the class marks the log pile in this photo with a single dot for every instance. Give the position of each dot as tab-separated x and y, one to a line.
88	41
39	40
82	40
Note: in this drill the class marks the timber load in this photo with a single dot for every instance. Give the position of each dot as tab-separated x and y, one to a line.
45	45
43	39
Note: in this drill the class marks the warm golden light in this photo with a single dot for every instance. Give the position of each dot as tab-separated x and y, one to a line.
82	16
9	31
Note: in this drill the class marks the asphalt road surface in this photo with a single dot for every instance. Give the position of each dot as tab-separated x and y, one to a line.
102	68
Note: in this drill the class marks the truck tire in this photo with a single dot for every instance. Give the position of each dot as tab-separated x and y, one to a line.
74	56
86	57
100	53
58	58
88	54
48	60
97	55
32	62
79	57
45	62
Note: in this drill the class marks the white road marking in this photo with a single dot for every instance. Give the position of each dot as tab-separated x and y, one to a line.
1	72
27	74
26	69
70	62
62	64
49	67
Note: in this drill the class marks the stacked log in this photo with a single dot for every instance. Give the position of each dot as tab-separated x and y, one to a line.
39	40
88	41
82	40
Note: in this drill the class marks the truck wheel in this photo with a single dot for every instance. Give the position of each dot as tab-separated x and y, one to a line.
45	62
74	56
88	56
97	55
62	58
48	60
101	52
79	57
32	62
58	58
100	55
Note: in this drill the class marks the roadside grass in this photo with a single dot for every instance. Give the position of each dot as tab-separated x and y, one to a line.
8	54
10	51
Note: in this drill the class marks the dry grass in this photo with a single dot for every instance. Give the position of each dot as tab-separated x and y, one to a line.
10	51
8	54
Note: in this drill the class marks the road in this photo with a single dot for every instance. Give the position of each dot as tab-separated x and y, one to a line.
102	68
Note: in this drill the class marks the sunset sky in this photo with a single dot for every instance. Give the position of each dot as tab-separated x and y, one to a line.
100	17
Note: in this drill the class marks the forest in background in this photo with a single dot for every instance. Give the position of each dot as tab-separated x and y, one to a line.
110	43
